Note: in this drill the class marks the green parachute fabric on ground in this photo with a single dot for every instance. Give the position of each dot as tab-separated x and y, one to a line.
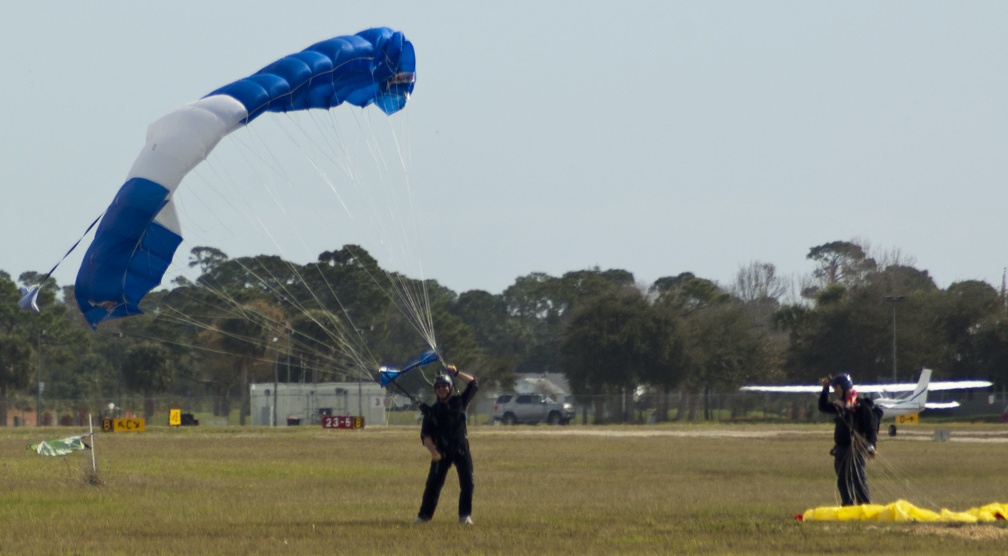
60	447
901	510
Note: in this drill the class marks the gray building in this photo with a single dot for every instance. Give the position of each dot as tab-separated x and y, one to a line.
304	404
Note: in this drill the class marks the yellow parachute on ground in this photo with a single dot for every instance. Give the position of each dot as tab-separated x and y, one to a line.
901	510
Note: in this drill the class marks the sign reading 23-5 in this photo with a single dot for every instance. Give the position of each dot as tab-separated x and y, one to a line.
342	422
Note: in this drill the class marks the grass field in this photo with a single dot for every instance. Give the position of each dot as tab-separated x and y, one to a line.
673	489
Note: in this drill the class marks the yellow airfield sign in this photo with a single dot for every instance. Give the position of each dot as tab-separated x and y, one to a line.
133	424
912	419
175	418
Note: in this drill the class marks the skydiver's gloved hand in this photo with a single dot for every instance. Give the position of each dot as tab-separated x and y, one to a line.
452	370
824	381
871	451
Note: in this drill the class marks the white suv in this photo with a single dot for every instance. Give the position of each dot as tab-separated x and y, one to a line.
511	409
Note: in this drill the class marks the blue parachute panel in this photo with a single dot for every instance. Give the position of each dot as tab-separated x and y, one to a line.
424	358
129	255
388	374
376	66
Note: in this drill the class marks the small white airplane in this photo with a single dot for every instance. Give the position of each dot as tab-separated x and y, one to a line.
885	395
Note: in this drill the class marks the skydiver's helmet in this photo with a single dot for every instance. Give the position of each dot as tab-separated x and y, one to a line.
844	381
443	379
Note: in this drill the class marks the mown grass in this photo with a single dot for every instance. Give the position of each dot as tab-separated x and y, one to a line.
581	490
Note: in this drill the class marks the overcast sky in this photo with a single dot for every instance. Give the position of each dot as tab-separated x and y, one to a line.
544	136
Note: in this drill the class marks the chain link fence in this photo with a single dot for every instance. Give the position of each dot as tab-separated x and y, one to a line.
734	407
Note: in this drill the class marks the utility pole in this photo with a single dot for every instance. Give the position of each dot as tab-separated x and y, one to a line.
119	378
894	299
276	378
38	382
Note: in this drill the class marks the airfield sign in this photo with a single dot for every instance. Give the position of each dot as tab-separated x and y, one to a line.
912	419
133	424
342	422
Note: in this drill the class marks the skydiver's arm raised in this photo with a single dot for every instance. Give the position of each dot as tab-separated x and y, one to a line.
824	404
472	385
462	375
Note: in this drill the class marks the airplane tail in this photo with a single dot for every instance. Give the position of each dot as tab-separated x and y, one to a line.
921	391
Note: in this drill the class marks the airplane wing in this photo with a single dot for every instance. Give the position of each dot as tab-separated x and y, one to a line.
884	388
797	389
932	386
941	405
959	384
895	388
810	389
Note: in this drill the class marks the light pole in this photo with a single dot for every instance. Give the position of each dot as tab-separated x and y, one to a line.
119	361
290	337
38	381
894	299
276	378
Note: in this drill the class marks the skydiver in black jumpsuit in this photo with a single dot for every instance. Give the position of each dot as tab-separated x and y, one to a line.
854	438
443	432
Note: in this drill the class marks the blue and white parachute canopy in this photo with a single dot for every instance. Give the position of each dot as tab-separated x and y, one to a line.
389	374
138	235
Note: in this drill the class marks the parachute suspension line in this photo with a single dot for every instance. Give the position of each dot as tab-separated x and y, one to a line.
414	303
416	311
415	300
331	364
183	345
274	165
423	309
255	149
356	349
345	330
225	189
243	311
418	303
347	337
886	481
365	364
894	483
333	144
72	247
30	294
339	334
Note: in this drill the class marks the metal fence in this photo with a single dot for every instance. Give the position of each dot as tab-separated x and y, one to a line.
731	407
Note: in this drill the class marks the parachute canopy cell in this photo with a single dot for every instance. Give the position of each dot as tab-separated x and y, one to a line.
389	374
139	233
29	299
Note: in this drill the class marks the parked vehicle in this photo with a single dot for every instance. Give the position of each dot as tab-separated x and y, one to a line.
511	409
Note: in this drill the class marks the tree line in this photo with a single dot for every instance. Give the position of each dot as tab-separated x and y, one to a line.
682	338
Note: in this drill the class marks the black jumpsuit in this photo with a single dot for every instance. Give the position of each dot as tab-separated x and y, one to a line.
854	433
445	423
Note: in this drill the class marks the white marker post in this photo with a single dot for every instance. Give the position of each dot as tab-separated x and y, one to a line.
94	463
